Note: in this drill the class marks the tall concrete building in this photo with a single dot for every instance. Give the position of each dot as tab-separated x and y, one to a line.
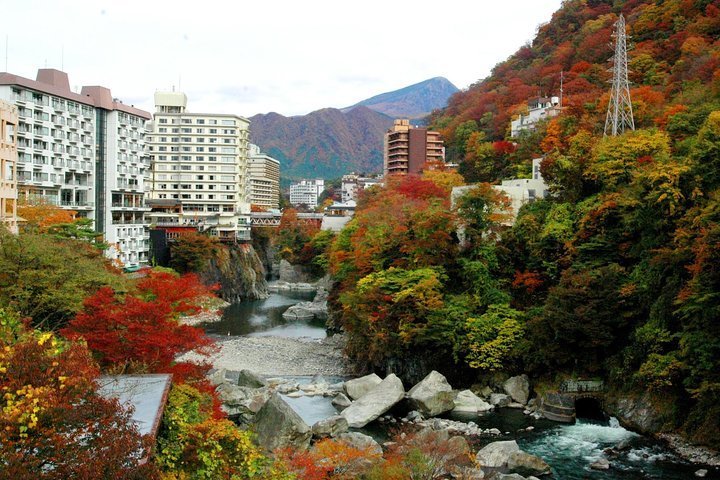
199	169
408	148
84	152
8	166
263	179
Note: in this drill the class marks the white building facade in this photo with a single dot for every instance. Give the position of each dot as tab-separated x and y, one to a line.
306	192
8	166
352	183
199	165
263	179
78	151
539	109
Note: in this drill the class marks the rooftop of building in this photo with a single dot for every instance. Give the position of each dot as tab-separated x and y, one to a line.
56	82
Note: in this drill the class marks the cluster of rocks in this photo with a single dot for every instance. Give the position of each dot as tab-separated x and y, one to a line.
258	403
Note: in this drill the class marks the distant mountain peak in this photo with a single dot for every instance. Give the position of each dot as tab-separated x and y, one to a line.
330	142
413	101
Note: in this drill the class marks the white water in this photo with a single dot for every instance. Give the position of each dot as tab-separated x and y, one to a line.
570	449
581	440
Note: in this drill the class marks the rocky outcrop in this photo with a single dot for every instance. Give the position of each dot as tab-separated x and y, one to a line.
357	387
375	402
432	396
239	272
638	412
518	388
293	273
276	425
467	401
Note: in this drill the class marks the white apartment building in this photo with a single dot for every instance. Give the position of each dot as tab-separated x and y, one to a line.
8	166
199	169
263	179
306	192
84	152
352	183
539	108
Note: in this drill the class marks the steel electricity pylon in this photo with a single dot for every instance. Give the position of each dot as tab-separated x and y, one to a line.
619	115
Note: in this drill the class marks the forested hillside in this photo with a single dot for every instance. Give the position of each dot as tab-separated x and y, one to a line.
616	276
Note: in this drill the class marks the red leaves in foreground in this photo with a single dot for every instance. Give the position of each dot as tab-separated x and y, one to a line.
54	424
122	331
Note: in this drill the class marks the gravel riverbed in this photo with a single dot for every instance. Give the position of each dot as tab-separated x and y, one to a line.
273	356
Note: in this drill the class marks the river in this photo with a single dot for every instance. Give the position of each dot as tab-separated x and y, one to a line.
568	449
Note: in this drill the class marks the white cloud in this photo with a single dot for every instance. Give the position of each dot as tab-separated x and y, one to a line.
248	57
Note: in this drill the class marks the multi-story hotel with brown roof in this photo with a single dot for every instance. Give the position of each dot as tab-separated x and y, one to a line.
83	152
409	148
8	166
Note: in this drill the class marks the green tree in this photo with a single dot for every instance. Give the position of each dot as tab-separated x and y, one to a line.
492	338
47	279
191	252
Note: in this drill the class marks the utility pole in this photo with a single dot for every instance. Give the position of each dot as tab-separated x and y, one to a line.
619	115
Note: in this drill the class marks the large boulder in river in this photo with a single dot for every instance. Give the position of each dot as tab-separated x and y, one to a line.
341	401
299	311
250	379
277	426
433	395
518	388
497	454
467	401
357	387
375	402
527	464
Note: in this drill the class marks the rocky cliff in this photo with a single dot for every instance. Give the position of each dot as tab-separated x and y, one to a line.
239	271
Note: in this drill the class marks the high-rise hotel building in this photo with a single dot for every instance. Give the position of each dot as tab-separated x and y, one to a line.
199	169
84	152
8	166
263	179
409	148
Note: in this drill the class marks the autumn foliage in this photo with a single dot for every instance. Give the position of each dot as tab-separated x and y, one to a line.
141	329
54	423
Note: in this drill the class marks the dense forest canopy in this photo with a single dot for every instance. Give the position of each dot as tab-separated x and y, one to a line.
615	275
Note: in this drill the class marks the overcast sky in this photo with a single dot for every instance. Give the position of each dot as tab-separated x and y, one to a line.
257	56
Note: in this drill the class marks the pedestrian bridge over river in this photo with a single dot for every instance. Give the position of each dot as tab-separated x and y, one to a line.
584	397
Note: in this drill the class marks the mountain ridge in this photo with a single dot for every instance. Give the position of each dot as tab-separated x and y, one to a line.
414	101
330	142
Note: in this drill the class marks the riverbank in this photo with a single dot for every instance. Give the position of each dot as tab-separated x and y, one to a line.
274	356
